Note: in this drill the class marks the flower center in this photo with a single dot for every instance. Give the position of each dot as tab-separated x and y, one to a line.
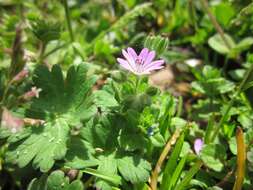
138	60
139	64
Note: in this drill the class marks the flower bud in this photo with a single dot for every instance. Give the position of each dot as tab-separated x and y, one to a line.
9	121
21	75
34	92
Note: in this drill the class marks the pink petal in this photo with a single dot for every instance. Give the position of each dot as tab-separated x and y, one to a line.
198	144
124	64
132	52
144	53
154	68
154	63
150	57
130	59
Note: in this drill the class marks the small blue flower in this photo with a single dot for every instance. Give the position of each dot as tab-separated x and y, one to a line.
150	131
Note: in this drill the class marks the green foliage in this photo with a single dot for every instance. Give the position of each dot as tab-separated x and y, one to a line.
111	126
217	43
43	146
156	43
46	31
211	83
213	156
62	104
127	167
170	177
55	181
224	12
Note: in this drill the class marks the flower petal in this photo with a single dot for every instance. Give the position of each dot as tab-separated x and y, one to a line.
130	59
154	63
154	68
198	144
125	64
143	55
150	57
132	52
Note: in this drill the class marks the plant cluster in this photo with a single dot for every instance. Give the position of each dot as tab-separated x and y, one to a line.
79	108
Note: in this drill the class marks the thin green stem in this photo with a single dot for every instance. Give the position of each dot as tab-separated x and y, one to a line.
193	14
138	79
238	91
224	68
215	23
42	51
180	106
67	15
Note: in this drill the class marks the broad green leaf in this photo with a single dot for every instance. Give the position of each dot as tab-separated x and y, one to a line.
103	185
244	44
55	181
101	138
62	104
75	185
224	12
65	98
45	145
79	154
104	100
157	140
217	43
107	165
38	184
213	156
210	72
134	168
131	142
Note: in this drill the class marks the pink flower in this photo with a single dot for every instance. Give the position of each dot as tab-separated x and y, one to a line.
141	64
9	121
34	92
21	75
198	144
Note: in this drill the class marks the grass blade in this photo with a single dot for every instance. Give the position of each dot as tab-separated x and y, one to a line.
172	163
241	158
177	172
189	175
